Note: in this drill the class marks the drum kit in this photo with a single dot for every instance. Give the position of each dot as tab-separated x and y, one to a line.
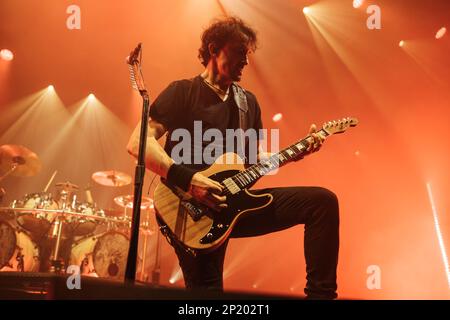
46	232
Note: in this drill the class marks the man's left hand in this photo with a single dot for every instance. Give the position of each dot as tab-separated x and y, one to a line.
317	139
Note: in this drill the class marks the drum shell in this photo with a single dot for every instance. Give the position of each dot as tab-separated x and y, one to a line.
20	244
103	256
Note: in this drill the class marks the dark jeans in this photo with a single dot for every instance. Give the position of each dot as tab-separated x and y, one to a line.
317	208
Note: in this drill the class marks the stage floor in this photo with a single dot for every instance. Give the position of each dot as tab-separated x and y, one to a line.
49	286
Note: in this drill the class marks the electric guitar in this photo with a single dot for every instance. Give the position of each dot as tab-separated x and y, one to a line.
199	228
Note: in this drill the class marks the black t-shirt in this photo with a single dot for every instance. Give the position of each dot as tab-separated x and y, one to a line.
186	101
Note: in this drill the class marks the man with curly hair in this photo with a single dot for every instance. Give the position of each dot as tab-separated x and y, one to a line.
209	98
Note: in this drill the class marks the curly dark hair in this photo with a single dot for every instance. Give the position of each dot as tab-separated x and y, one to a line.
223	30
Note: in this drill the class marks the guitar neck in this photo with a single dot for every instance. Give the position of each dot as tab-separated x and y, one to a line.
293	152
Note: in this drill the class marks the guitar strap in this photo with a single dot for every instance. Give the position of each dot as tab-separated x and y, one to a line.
241	101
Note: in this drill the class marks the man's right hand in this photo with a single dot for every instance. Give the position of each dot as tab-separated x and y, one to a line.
207	191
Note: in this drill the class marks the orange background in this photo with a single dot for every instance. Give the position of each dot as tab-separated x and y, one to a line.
311	69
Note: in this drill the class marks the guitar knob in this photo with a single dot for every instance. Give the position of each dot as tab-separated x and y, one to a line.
209	235
220	226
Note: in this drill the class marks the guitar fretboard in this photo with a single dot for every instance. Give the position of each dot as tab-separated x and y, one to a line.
250	175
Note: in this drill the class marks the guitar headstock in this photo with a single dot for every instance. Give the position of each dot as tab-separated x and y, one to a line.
134	65
339	126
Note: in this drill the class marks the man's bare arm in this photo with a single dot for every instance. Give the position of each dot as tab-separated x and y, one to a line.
158	161
156	158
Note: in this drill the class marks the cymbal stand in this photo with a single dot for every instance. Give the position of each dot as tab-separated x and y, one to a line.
2	194
57	265
14	165
156	273
145	229
144	276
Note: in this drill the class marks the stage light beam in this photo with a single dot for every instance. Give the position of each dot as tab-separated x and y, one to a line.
6	54
306	10
439	233
50	88
176	275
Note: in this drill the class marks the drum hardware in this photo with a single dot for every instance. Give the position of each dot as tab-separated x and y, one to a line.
156	273
85	267
2	194
20	261
57	220
144	255
14	165
56	264
111	178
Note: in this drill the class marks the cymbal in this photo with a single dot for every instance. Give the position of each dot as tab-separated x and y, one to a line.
67	186
127	201
27	162
111	178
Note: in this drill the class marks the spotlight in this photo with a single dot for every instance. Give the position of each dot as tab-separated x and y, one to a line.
401	43
277	117
171	281
441	32
6	55
91	96
50	88
357	3
306	10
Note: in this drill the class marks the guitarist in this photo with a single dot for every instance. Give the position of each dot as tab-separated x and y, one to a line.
209	98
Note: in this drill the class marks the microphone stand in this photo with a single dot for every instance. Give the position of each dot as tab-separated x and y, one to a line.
130	271
134	61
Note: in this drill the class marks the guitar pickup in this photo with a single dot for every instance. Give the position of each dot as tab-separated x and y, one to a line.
194	211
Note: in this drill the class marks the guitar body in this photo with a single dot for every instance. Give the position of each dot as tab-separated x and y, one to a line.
197	226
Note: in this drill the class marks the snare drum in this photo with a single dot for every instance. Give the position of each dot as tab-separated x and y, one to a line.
102	256
17	251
